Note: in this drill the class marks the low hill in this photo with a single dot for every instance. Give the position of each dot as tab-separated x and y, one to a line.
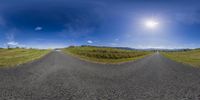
105	54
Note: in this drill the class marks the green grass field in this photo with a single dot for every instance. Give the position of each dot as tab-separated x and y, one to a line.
105	55
12	57
188	57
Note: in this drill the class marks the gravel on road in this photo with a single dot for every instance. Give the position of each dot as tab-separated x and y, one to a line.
58	76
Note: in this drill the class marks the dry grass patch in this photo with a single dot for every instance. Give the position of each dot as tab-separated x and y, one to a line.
191	57
105	55
12	57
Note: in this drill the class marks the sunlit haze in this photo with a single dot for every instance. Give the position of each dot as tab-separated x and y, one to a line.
151	24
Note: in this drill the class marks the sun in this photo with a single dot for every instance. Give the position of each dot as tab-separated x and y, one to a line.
152	24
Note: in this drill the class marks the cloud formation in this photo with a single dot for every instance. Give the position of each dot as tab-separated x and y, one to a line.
13	43
89	41
10	39
113	22
38	28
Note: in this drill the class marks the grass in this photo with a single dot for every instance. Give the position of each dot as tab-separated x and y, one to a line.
12	57
105	55
191	57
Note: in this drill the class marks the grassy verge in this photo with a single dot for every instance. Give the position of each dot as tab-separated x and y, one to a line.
12	57
188	57
105	55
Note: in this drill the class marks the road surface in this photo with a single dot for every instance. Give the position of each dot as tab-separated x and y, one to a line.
60	77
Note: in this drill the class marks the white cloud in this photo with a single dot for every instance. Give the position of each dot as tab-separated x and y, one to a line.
38	28
13	43
89	41
10	39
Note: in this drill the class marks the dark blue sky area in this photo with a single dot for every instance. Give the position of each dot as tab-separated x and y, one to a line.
60	23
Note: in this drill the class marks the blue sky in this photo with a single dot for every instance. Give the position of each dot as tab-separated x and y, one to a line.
60	23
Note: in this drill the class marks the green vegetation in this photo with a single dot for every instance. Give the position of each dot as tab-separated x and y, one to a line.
11	57
191	57
105	54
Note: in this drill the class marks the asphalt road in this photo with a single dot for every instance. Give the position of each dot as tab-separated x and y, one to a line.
60	77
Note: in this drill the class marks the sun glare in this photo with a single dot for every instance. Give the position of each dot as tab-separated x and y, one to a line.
152	24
